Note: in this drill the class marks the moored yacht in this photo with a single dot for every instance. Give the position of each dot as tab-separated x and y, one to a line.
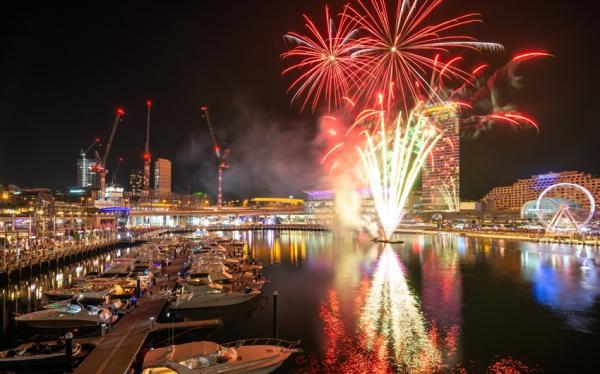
72	315
258	356
210	297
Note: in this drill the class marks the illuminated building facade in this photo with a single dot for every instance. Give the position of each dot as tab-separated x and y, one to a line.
136	182
441	173
321	204
86	177
162	176
514	197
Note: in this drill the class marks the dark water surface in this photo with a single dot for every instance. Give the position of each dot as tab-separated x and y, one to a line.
433	304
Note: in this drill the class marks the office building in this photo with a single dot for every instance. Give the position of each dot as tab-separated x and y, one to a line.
136	182
441	172
86	176
162	176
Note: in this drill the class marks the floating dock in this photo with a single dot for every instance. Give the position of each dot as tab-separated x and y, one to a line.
116	351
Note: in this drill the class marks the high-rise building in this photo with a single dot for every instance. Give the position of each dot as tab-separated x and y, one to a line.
162	176
136	181
512	198
86	176
441	172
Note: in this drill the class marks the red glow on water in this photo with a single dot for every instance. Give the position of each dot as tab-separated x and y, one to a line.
509	366
343	354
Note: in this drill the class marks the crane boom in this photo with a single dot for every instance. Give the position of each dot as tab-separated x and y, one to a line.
116	173
120	112
213	136
100	166
147	145
147	156
96	141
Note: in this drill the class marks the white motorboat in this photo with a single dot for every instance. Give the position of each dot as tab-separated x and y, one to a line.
258	356
116	304
210	297
72	315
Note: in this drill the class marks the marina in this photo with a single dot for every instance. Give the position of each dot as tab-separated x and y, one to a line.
346	276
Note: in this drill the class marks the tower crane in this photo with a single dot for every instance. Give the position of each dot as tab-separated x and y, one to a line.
147	156
222	152
100	166
84	153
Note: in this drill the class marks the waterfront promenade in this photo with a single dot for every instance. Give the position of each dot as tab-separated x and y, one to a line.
540	238
17	264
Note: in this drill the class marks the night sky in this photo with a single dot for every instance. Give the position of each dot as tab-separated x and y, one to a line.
66	65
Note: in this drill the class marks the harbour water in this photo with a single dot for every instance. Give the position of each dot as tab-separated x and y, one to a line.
434	303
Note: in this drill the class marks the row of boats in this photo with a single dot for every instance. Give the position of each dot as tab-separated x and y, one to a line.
98	298
95	299
219	274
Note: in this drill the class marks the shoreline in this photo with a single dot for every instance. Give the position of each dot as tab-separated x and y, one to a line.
540	238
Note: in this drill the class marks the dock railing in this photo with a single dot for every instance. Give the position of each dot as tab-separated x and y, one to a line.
264	341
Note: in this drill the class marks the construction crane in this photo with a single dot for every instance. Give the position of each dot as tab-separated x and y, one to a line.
147	156
116	173
222	153
100	166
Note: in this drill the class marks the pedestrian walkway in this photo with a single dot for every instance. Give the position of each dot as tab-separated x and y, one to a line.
116	351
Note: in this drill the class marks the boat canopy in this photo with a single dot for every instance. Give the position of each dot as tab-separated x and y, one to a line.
191	355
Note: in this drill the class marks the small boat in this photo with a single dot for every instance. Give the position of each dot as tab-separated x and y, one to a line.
210	297
44	355
72	315
388	241
204	357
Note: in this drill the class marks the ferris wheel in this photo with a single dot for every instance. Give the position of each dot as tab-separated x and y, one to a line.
565	207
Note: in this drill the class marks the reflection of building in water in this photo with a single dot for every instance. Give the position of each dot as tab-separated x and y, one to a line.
391	312
563	284
441	293
281	246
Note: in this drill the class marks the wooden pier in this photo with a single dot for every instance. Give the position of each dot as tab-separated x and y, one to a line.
116	351
37	261
40	261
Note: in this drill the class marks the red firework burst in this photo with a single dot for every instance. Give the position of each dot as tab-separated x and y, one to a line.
399	48
325	67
